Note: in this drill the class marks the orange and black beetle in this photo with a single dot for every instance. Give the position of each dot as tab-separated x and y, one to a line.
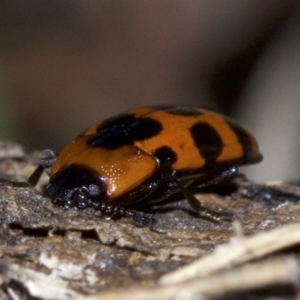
145	156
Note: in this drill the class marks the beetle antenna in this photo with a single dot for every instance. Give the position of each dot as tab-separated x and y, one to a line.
48	158
35	176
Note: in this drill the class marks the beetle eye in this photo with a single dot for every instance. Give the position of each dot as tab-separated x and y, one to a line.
94	190
52	190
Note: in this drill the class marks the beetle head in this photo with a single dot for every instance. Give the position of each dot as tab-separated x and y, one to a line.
77	186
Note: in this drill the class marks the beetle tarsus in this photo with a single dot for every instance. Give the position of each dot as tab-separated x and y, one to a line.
205	212
140	219
145	220
215	215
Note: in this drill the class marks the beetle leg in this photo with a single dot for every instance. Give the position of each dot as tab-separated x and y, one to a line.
166	185
164	192
210	178
48	158
140	219
174	185
203	211
32	181
220	176
144	220
35	176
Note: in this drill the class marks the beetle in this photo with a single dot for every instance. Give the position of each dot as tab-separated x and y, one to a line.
142	157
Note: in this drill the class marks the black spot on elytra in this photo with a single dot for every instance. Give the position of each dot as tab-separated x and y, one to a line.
245	141
207	140
179	110
165	155
124	130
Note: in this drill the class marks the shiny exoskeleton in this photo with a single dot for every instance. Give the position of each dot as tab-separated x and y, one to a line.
146	155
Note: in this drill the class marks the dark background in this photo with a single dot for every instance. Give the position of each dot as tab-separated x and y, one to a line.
68	64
